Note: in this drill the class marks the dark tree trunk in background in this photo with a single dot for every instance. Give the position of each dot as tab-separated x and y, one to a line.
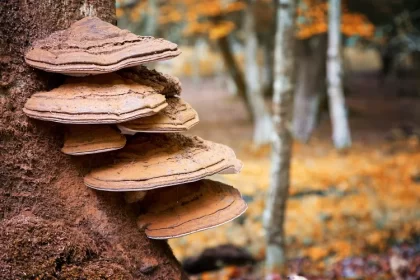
234	71
268	53
51	225
310	86
416	63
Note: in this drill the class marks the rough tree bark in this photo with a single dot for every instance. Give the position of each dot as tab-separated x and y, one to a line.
263	127
284	69
310	85
337	104
51	225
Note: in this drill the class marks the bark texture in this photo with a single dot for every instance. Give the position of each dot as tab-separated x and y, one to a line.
337	104
51	225
262	120
310	86
284	69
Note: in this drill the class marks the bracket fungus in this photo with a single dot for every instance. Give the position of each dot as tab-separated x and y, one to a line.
184	209
137	99
99	99
164	83
178	116
158	160
91	46
91	139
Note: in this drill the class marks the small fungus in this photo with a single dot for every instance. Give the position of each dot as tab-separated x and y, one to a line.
152	161
188	208
133	197
91	139
91	46
177	117
99	99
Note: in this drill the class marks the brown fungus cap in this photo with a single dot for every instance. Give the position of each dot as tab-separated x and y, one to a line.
100	99
184	209
152	161
91	46
164	83
177	117
91	139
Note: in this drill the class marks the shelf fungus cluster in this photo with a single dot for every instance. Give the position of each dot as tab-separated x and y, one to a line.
112	102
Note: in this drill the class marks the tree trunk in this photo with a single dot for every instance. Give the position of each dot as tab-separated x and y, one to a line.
263	127
337	103
51	225
416	63
234	71
310	86
268	66
284	70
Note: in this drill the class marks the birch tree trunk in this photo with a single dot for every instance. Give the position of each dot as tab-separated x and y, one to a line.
51	225
284	68
338	113
263	127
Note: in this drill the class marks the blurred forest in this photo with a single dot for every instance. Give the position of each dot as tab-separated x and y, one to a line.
353	208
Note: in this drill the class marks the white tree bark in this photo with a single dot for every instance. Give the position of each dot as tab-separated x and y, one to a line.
284	68
338	113
263	127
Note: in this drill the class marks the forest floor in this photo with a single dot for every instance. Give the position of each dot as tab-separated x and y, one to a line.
346	209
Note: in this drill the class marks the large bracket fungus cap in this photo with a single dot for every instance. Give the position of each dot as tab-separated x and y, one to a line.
177	117
185	209
100	99
91	46
91	139
152	161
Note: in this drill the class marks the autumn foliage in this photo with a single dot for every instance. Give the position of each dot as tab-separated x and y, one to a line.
209	18
313	20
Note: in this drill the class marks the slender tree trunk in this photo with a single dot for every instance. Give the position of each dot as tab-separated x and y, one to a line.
310	86
416	62
284	69
263	127
234	71
51	225
268	52
337	103
268	70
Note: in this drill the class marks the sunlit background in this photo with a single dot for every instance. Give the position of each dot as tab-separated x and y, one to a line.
344	206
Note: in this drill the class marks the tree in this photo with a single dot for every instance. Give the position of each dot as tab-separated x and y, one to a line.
51	225
311	85
284	68
338	113
312	54
254	90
